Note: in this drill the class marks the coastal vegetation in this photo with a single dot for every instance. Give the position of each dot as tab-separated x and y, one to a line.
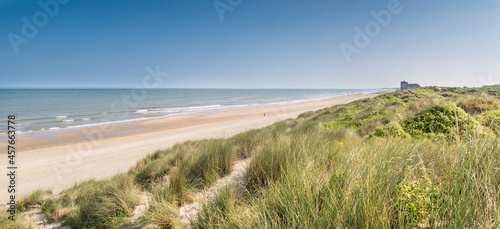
419	158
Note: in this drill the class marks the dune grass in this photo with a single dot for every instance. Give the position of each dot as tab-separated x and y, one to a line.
163	212
373	183
428	157
219	213
96	204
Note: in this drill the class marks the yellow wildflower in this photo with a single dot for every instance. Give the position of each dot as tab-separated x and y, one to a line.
339	144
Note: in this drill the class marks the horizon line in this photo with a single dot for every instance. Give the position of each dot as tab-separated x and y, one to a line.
91	88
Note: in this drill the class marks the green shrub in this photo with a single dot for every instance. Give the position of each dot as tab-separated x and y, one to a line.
392	129
442	121
476	106
367	115
491	119
416	200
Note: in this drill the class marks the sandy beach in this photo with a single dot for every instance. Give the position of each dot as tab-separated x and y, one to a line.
85	154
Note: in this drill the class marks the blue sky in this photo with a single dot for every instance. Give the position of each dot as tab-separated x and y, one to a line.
259	44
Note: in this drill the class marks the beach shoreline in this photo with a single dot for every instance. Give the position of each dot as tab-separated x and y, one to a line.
93	153
115	107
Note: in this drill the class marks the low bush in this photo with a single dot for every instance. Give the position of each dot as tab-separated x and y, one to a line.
392	129
477	105
442	121
491	119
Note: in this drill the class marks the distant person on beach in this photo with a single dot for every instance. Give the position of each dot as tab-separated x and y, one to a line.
264	114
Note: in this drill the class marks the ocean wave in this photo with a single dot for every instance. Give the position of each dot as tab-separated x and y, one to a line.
204	107
68	120
110	122
22	124
57	117
33	119
191	109
115	122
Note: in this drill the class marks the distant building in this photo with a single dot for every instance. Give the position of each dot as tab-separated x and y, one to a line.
406	85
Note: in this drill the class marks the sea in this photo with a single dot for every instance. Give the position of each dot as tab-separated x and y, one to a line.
55	109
